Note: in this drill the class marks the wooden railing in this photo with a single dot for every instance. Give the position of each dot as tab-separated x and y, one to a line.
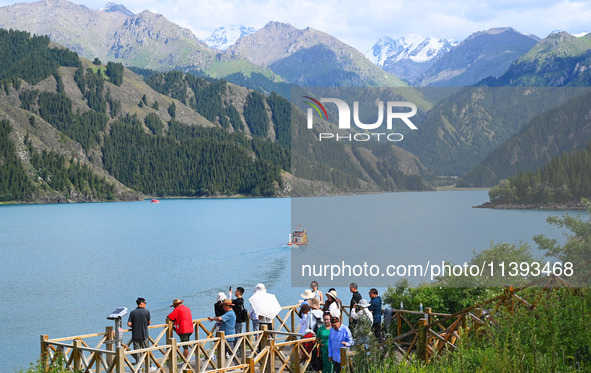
432	333
280	348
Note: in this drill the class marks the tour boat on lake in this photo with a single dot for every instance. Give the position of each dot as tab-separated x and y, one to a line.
298	237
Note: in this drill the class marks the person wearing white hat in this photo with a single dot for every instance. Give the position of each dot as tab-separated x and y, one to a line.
307	295
218	307
333	304
360	311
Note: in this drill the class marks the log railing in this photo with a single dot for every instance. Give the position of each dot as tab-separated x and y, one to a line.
279	349
208	352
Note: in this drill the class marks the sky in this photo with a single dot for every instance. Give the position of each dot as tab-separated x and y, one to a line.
361	23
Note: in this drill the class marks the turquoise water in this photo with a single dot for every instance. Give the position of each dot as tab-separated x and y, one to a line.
64	267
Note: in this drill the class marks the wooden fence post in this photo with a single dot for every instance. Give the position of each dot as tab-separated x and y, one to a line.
76	354
169	329
264	335
508	296
120	359
295	360
398	323
44	358
250	362
243	349
293	314
344	359
271	364
428	312
422	340
172	360
221	349
109	343
263	344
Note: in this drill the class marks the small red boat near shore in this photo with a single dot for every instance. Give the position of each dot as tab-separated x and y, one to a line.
155	201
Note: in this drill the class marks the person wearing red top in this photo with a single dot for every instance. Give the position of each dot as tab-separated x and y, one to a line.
183	322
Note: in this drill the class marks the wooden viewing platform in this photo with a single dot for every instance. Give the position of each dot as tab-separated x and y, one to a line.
412	334
276	350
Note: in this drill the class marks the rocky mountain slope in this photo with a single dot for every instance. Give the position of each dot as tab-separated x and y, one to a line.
548	135
113	33
462	129
310	57
482	54
561	59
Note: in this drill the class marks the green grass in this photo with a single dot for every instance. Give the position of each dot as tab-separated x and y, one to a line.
554	337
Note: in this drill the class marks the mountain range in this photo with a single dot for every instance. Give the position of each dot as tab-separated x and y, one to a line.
408	57
460	128
149	40
482	54
113	33
310	57
75	130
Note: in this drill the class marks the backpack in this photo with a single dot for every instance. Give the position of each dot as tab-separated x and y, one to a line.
318	322
241	312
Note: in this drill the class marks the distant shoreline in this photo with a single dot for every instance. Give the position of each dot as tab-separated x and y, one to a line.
570	205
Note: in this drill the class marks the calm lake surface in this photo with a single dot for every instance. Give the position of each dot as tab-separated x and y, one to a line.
65	267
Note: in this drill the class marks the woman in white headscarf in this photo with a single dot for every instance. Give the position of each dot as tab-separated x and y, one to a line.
217	307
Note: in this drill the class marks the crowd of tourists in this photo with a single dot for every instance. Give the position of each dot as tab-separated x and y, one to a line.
320	317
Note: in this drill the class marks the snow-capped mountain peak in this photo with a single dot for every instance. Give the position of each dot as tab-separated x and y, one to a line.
223	37
412	47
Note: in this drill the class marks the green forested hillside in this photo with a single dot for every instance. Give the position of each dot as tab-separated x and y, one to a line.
222	103
30	58
565	178
547	135
148	152
190	161
558	60
83	131
461	130
50	172
14	181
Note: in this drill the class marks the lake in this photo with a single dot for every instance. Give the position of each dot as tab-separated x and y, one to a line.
65	267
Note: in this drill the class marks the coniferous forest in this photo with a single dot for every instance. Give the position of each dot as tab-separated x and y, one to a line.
144	153
565	178
170	134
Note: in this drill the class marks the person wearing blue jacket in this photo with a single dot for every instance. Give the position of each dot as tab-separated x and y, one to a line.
340	336
375	306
